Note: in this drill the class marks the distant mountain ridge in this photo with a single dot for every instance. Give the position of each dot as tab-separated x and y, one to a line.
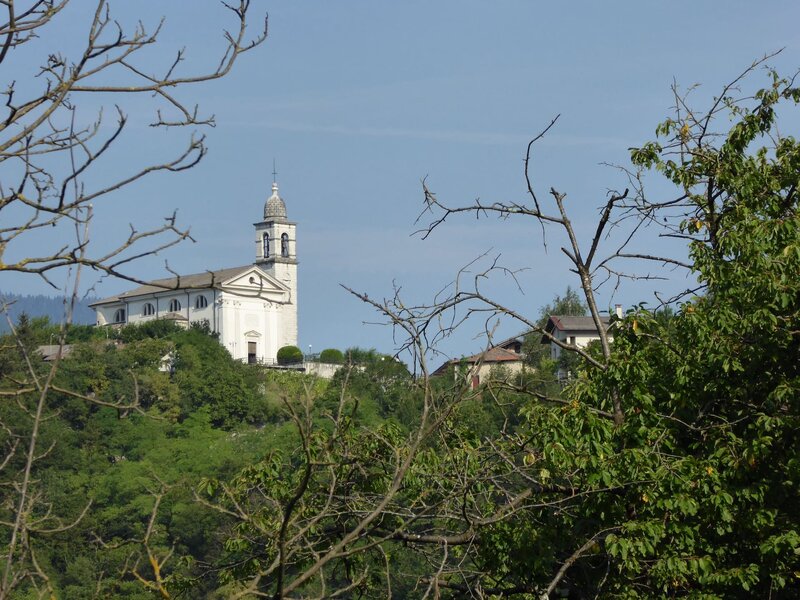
40	305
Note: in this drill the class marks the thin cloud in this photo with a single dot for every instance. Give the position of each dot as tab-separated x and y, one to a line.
451	136
468	137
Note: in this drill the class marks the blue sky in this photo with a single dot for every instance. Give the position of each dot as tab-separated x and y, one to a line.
357	101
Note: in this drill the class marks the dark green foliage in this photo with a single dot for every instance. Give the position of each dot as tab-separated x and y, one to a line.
695	493
273	481
35	331
381	383
331	356
83	333
363	356
207	376
289	355
481	417
188	406
570	304
157	328
118	465
725	370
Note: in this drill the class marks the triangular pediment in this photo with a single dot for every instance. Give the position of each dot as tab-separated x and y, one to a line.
255	282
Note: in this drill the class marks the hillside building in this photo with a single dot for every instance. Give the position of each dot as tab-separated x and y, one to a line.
573	331
508	359
502	360
253	308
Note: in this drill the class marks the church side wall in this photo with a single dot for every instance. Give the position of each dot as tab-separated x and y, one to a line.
135	307
161	303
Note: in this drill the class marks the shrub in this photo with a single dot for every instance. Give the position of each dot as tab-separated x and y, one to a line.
331	356
157	328
289	354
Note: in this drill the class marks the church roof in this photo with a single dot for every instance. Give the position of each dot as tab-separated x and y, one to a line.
207	279
274	208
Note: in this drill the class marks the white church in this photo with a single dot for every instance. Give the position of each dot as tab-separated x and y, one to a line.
253	308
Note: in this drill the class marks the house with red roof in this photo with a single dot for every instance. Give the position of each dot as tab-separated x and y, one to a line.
504	359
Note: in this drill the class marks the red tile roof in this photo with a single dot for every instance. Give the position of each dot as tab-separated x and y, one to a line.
491	355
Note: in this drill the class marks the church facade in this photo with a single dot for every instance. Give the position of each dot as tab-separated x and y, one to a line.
253	308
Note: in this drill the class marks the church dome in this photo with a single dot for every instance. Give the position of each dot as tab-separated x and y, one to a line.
274	208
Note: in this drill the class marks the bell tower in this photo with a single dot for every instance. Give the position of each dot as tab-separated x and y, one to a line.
276	253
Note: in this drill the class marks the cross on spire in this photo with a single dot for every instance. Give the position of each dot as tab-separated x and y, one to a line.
274	172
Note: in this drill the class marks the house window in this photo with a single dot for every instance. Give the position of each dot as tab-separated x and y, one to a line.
119	316
476	381
266	245
572	340
285	245
174	305
148	310
252	353
200	302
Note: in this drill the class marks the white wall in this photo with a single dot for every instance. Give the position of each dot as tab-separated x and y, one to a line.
487	370
246	319
323	370
160	301
582	339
